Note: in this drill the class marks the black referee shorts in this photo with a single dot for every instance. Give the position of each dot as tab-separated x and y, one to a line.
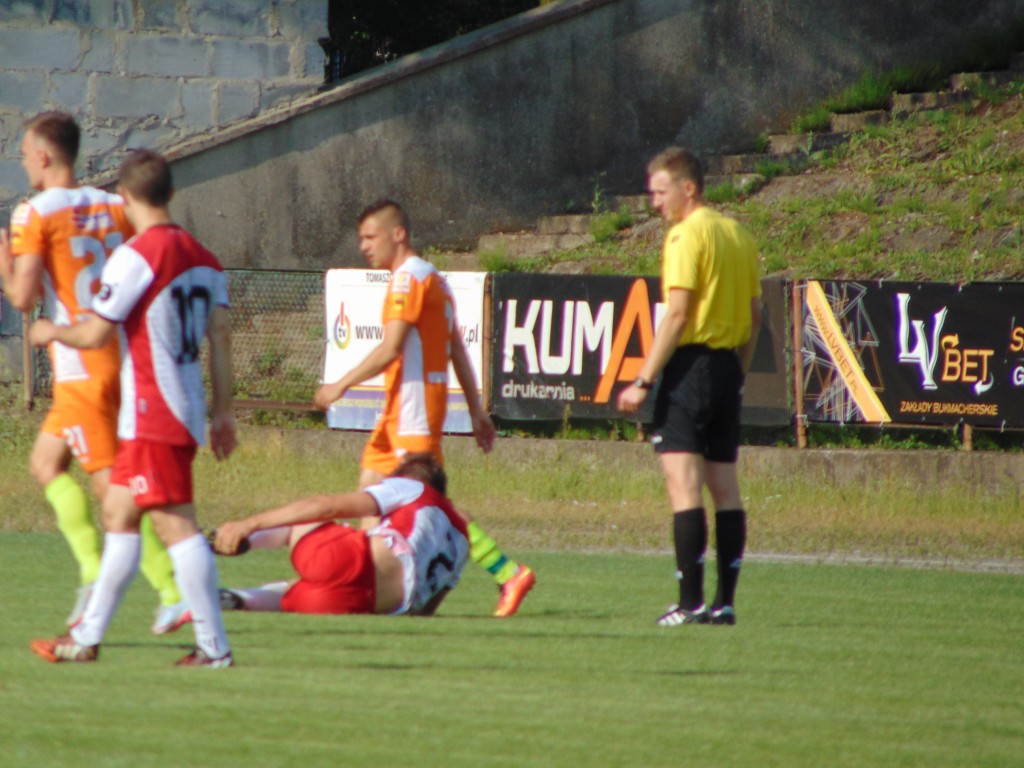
697	407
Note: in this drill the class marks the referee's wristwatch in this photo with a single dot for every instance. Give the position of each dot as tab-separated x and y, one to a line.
641	383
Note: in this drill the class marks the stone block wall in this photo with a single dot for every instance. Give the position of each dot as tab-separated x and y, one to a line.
148	73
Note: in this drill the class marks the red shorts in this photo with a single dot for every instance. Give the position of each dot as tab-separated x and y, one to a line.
336	572
158	474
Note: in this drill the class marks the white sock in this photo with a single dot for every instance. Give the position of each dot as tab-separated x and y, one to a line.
195	571
272	538
118	566
264	598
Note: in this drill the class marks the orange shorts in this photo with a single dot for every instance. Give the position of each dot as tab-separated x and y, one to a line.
158	474
84	415
385	450
336	573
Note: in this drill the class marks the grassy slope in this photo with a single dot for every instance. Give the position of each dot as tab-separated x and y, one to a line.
936	196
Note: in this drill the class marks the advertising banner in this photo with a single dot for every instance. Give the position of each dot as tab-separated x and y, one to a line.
925	353
565	345
354	300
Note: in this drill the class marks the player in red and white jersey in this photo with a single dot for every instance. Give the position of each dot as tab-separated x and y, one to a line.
420	339
165	292
406	564
162	287
59	242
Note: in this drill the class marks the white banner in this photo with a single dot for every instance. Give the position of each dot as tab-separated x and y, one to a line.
354	300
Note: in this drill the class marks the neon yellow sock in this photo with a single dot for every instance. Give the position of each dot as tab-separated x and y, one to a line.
75	521
485	552
156	564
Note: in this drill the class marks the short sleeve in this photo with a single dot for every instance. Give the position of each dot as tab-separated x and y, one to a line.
27	232
126	276
394	492
681	259
404	300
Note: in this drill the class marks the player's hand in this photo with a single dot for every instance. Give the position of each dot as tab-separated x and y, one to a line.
485	432
42	332
230	536
328	394
631	398
223	436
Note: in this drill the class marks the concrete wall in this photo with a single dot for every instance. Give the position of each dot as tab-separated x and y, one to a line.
481	134
489	131
148	73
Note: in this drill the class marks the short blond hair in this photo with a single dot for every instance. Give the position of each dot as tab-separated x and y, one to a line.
60	131
680	164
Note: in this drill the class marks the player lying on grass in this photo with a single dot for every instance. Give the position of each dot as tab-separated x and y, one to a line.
405	564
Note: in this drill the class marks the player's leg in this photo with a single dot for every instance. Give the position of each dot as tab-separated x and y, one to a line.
196	573
168	500
156	565
118	567
730	538
122	547
98	425
48	463
684	478
514	579
266	597
723	483
679	436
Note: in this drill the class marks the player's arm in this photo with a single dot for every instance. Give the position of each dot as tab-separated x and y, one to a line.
223	438
389	350
666	339
312	509
483	427
22	277
91	333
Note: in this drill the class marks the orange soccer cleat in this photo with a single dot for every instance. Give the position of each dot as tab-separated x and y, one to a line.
514	591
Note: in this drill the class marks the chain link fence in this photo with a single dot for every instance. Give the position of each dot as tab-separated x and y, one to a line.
277	321
277	350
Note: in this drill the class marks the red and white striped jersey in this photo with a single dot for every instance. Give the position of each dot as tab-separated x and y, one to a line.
162	286
422	529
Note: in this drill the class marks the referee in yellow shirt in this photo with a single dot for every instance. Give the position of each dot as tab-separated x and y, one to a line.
701	350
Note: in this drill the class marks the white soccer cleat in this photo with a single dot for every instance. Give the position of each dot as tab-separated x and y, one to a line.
171	617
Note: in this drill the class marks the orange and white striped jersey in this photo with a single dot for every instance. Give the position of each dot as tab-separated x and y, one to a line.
417	382
73	231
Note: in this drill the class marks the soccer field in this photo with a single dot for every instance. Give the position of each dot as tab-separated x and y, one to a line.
828	666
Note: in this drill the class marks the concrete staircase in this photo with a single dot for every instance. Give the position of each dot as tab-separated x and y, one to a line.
783	153
559	233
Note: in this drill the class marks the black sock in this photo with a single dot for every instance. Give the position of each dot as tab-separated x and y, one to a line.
730	540
690	530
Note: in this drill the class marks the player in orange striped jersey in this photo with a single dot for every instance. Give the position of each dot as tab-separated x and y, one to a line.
58	243
420	338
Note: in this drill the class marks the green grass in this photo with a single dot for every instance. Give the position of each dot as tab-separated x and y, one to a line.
529	493
836	666
604	226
